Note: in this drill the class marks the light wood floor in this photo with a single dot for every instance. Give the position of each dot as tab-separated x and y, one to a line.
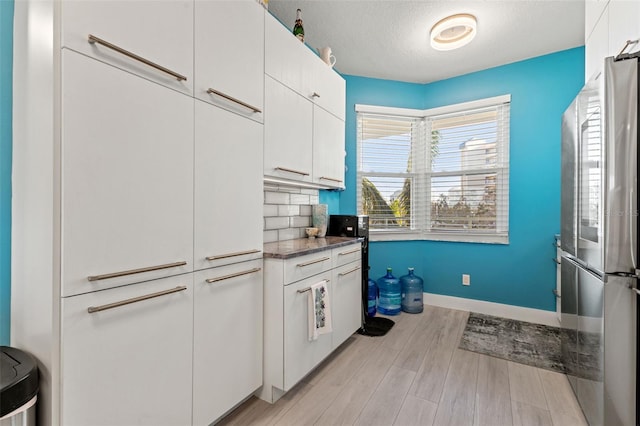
416	375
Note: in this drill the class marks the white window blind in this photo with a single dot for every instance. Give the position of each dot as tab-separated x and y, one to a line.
442	174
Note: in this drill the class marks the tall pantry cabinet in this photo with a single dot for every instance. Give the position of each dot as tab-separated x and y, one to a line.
128	173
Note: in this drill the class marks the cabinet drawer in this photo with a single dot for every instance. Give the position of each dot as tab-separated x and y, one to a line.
346	254
300	354
301	267
131	363
127	178
157	31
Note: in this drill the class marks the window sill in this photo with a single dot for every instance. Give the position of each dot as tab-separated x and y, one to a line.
380	235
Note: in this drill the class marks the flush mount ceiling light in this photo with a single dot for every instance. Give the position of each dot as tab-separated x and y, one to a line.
453	31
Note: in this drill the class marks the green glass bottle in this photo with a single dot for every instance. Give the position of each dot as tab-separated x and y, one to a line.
298	29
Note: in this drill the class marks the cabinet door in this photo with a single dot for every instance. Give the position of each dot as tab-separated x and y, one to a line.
330	88
128	364
300	354
346	301
227	357
228	187
229	54
155	30
286	59
328	149
287	133
624	24
127	178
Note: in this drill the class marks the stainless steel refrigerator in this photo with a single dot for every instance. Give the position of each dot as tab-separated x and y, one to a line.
599	238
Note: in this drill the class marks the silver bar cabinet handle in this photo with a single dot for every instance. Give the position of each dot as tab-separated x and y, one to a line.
349	272
232	99
304	290
284	169
349	252
93	39
135	271
331	179
93	309
315	95
237	274
555	293
224	256
311	262
555	260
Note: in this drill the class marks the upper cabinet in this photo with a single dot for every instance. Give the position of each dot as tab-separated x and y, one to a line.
153	39
304	113
229	55
608	26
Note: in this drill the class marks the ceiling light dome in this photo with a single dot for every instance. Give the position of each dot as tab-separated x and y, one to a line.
453	32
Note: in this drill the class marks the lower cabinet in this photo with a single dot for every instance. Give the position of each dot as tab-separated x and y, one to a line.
227	344
346	285
289	355
300	353
126	355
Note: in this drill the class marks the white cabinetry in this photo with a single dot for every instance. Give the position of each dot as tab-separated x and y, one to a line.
227	345
228	187
104	210
157	31
229	55
127	177
624	24
127	355
287	133
304	125
289	355
608	26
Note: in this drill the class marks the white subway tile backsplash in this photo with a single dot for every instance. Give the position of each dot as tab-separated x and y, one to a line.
299	199
300	221
288	234
305	211
270	210
276	223
287	212
270	236
276	198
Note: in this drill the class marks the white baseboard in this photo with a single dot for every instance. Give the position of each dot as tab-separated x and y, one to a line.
537	316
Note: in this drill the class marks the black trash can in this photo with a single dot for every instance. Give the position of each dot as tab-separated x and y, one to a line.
18	387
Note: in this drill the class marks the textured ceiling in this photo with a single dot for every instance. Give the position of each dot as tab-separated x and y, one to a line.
390	39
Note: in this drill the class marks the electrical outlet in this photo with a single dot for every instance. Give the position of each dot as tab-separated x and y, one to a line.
466	279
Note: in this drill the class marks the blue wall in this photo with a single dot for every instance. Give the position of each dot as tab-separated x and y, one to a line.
520	273
6	91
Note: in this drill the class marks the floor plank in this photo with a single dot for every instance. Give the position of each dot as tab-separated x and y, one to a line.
457	404
351	400
561	401
416	412
525	385
446	325
493	400
529	415
386	401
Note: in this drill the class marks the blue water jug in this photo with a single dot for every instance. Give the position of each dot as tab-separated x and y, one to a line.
389	294
372	298
411	286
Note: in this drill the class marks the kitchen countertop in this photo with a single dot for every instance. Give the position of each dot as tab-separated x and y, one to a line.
299	247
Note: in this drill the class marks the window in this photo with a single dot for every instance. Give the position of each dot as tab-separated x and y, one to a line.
440	174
